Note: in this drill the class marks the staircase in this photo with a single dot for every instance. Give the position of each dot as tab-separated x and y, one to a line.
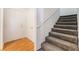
64	35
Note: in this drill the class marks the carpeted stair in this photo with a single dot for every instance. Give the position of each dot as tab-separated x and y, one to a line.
64	35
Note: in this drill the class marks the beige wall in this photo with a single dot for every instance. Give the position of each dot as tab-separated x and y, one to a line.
45	23
19	23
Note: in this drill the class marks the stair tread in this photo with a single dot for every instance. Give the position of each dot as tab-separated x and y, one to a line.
73	27
66	22
65	29
67	25
68	19
63	42
71	36
51	47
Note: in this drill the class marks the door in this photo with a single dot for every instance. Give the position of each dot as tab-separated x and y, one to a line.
68	11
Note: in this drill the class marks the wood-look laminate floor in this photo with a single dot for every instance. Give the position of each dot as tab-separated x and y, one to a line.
23	44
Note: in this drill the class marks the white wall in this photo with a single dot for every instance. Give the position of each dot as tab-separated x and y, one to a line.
68	11
45	23
13	24
1	28
31	25
19	23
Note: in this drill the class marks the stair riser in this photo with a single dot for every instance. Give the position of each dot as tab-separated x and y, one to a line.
70	39
73	17
69	48
46	49
66	27
66	23
66	32
51	47
68	19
